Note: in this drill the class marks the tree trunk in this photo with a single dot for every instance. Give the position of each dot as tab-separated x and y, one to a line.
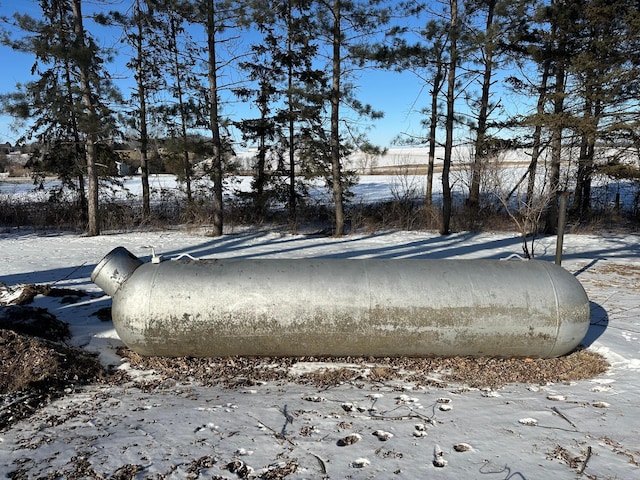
214	122
448	148
178	74
336	167
292	158
93	227
551	220
261	174
582	199
536	149
481	138
80	158
433	127
583	160
291	124
144	136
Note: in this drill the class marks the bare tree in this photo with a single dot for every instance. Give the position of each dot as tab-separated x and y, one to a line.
525	210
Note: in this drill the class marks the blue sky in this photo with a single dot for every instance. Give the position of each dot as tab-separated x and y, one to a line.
390	92
398	95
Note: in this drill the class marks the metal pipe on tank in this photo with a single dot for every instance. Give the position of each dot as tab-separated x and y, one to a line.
341	307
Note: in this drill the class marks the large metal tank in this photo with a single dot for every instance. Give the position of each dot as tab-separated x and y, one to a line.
341	307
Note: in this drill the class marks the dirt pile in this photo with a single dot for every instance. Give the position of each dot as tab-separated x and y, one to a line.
36	366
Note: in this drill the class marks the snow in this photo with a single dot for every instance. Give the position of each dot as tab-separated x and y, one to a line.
404	186
356	430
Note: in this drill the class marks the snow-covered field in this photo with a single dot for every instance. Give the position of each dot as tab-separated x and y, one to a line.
370	188
357	430
406	185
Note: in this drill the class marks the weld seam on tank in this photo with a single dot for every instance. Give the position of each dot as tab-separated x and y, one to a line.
156	269
557	304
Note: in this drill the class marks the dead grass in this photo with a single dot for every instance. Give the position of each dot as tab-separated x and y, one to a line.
614	274
406	212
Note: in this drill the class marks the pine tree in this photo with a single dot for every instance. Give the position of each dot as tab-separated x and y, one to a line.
489	51
605	73
218	19
438	36
142	31
301	114
345	26
454	34
427	59
67	104
181	116
286	90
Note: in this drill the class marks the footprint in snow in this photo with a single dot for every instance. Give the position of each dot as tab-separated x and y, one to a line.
462	447
556	398
404	399
438	457
489	393
349	440
360	463
444	404
240	468
242	452
420	430
314	398
382	435
348	407
530	422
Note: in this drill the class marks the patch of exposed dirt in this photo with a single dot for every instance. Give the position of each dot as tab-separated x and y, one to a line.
483	372
33	321
36	366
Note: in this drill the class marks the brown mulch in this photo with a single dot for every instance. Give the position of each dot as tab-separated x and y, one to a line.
35	371
33	321
36	366
484	372
34	363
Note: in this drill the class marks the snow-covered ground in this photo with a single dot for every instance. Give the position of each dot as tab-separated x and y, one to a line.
394	430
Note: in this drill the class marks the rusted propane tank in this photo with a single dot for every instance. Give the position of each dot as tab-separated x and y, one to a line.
340	307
